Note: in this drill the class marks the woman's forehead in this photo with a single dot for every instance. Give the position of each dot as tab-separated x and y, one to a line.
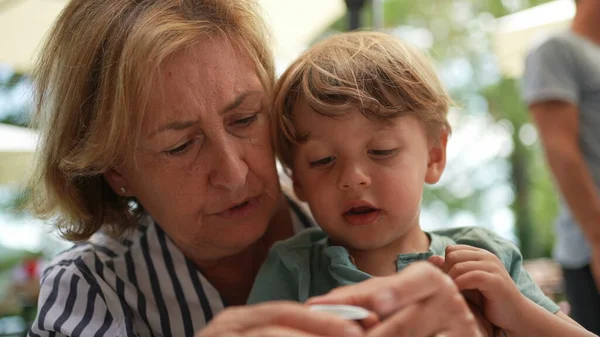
204	78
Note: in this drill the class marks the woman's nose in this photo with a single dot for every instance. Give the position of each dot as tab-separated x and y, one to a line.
229	169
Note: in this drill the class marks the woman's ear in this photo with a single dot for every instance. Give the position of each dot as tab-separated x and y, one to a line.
437	159
118	183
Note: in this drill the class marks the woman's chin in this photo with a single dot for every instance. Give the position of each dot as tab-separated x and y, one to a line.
242	235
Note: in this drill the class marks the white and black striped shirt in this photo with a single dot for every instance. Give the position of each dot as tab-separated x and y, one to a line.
139	285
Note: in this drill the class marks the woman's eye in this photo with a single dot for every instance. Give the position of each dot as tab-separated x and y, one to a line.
322	162
246	121
181	149
383	153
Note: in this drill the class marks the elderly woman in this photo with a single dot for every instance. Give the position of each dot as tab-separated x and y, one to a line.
155	156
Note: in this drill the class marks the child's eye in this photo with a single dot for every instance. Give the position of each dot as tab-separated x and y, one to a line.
383	153
322	162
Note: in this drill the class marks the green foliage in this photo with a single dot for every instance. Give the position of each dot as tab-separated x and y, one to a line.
16	114
12	81
536	200
14	119
11	258
16	203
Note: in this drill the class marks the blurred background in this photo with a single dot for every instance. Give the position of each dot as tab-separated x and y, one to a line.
496	176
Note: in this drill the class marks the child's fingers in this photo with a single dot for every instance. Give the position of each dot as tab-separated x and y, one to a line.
438	261
469	266
480	280
457	256
452	248
474	297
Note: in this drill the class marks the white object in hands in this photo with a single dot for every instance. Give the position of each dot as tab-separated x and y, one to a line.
348	312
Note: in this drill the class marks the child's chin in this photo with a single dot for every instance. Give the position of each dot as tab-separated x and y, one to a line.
364	244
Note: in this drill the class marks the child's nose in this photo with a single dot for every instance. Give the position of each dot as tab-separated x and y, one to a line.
353	177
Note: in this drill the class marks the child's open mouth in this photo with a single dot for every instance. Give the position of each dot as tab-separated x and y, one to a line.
362	215
361	210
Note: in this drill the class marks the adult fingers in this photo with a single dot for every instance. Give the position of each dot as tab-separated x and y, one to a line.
276	331
434	315
385	295
288	315
269	331
465	330
370	321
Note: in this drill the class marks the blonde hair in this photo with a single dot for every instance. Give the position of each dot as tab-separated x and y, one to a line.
374	72
92	89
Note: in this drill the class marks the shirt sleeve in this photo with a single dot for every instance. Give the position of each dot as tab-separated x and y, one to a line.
512	259
551	73
275	280
70	305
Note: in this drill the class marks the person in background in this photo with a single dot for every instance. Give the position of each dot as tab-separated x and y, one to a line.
360	122
561	86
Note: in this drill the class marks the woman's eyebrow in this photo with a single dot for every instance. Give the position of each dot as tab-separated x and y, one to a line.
176	125
182	125
239	100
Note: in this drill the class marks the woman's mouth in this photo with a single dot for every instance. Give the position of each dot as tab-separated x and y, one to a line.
240	205
241	210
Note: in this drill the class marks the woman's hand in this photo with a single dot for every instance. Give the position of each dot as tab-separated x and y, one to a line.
420	301
278	319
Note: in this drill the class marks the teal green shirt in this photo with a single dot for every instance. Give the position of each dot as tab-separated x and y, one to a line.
306	265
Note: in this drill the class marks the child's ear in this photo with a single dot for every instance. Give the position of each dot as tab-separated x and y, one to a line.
437	159
298	190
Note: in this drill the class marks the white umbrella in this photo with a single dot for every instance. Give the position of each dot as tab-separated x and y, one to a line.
517	33
294	23
17	147
23	24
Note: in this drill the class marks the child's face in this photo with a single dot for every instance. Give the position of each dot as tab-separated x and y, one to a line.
364	179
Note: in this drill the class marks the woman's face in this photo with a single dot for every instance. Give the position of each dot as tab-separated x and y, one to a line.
205	168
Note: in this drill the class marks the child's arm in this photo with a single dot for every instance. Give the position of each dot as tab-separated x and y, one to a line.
540	322
502	302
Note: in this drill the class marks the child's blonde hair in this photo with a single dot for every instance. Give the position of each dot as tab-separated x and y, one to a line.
373	72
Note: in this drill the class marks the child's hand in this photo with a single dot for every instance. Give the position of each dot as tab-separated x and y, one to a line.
474	269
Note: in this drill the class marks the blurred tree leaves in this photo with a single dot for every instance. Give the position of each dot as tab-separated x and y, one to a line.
12	84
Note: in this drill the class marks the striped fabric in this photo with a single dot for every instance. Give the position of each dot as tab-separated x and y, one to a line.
139	285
